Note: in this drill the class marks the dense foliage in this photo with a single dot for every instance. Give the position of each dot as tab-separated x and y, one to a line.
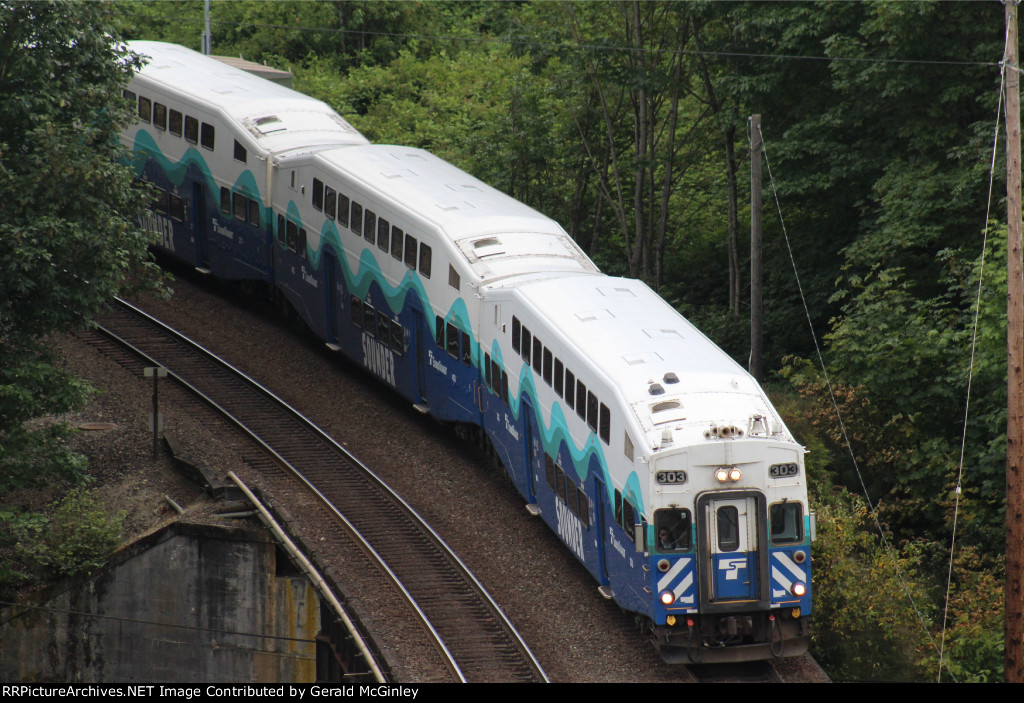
627	122
68	218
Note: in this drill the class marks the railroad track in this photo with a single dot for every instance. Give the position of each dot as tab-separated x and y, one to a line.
469	628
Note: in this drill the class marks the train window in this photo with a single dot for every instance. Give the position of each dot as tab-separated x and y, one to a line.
254	212
343	210
549	471
559	379
453	340
397	240
369	319
238	206
281	229
383	234
160	201
426	254
397	337
145	109
302	242
176	207
467	350
174	124
487	370
627	447
495	376
570	388
538	355
410	251
577	501
592	411
584	507
527	345
160	116
605	423
517	329
207	135
548	363
383	328
292	240
225	200
357	218
563	485
581	399
786	521
191	130
728	520
439	331
330	202
454	280
628	517
318	190
370	226
129	96
618	507
240	154
673	528
356	308
504	386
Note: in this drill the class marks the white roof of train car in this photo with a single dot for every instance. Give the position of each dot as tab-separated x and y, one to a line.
635	340
498	235
279	119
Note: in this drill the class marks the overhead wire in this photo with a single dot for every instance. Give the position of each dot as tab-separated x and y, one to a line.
835	405
17	607
564	45
970	369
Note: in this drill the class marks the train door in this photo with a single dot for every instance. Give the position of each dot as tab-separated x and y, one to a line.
732	539
600	506
332	291
532	449
421	355
199	224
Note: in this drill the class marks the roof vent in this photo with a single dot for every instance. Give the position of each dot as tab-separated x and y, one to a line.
488	246
671	378
655	389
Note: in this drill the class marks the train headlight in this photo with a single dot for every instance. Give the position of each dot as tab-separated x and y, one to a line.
728	473
799	589
667	597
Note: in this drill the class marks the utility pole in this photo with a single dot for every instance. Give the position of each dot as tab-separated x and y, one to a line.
1013	594
207	37
756	366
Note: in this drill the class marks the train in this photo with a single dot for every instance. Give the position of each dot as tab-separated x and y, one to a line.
657	460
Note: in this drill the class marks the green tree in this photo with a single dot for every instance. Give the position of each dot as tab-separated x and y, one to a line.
68	215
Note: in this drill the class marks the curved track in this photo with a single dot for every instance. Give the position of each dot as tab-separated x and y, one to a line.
469	627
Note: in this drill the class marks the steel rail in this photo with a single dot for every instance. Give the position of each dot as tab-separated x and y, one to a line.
369	473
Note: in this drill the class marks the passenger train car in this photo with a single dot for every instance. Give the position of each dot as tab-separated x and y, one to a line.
657	460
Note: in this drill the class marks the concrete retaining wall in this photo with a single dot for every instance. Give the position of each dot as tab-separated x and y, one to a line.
189	603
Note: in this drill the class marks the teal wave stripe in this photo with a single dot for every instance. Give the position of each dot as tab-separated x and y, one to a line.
368	271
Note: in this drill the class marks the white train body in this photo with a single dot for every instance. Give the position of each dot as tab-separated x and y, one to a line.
657	459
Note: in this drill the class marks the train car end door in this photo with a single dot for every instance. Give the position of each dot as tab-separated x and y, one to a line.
733	540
